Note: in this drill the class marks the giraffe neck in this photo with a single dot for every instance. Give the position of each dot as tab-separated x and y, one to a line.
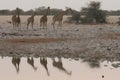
32	16
46	12
63	13
14	15
18	13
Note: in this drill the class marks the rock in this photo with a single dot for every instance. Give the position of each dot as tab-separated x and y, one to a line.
102	76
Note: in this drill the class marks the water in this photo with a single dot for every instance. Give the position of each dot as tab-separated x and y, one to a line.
57	69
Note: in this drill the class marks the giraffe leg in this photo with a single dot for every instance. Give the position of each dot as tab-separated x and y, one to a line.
32	25
46	25
16	25
13	25
20	25
53	24
40	25
60	24
28	25
43	25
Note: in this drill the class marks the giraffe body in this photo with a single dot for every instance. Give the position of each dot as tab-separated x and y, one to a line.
43	20
59	17
16	19
30	20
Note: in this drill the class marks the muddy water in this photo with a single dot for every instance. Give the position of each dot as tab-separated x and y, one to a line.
15	68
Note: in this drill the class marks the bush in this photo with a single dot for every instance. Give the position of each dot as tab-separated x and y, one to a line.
75	18
93	13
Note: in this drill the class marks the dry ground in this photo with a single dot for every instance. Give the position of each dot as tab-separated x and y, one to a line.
79	41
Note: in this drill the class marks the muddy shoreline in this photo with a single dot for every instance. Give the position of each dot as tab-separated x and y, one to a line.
72	41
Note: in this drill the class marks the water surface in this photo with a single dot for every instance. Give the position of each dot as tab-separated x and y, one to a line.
43	68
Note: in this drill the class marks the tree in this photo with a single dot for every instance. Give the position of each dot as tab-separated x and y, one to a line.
75	18
21	11
4	12
93	13
29	12
55	11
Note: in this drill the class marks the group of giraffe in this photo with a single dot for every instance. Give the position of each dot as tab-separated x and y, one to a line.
16	21
43	60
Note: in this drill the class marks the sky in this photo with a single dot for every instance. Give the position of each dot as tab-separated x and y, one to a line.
61	4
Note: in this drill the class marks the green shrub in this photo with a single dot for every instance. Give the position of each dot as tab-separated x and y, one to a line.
75	18
93	13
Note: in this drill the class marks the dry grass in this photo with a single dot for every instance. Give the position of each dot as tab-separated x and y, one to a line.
34	40
110	36
3	19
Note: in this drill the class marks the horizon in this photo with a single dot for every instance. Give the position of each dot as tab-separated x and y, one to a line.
59	4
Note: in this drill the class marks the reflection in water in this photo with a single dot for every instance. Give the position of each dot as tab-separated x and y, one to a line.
2	56
43	61
31	62
93	63
116	65
16	63
58	64
78	68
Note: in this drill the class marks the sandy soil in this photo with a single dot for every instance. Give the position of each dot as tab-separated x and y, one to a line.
75	41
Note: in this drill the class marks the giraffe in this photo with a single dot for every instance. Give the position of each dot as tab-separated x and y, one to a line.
18	20
31	62
16	63
58	64
43	61
14	20
59	17
30	20
118	21
43	20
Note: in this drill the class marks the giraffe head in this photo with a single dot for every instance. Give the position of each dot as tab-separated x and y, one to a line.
48	9
69	11
17	10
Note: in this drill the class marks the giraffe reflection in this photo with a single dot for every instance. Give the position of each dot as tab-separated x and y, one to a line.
58	64
16	63
93	62
43	61
31	62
